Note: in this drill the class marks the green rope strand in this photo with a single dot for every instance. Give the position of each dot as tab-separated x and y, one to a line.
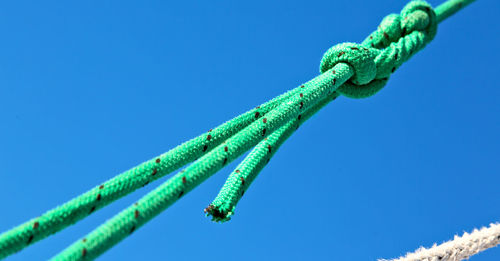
80	207
349	69
449	8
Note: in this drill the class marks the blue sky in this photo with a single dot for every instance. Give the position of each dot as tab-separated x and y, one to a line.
91	88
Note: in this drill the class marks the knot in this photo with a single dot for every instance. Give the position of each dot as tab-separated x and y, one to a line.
362	61
397	38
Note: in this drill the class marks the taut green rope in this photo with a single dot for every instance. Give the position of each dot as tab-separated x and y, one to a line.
350	69
449	8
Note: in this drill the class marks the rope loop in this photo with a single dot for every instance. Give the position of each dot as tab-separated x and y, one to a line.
419	16
361	59
397	38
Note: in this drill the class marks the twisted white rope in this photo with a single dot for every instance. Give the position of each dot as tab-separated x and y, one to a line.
459	248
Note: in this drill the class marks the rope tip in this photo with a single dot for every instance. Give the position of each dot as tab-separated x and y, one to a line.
217	214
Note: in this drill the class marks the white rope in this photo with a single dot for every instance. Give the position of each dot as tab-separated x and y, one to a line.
459	248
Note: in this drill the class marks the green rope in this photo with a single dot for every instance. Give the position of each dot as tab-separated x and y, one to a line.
449	8
349	69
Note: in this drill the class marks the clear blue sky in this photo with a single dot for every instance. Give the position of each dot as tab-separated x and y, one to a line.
91	88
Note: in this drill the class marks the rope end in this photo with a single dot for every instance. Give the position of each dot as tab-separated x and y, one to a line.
218	214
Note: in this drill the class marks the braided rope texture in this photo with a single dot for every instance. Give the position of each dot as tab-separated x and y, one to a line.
459	248
349	69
